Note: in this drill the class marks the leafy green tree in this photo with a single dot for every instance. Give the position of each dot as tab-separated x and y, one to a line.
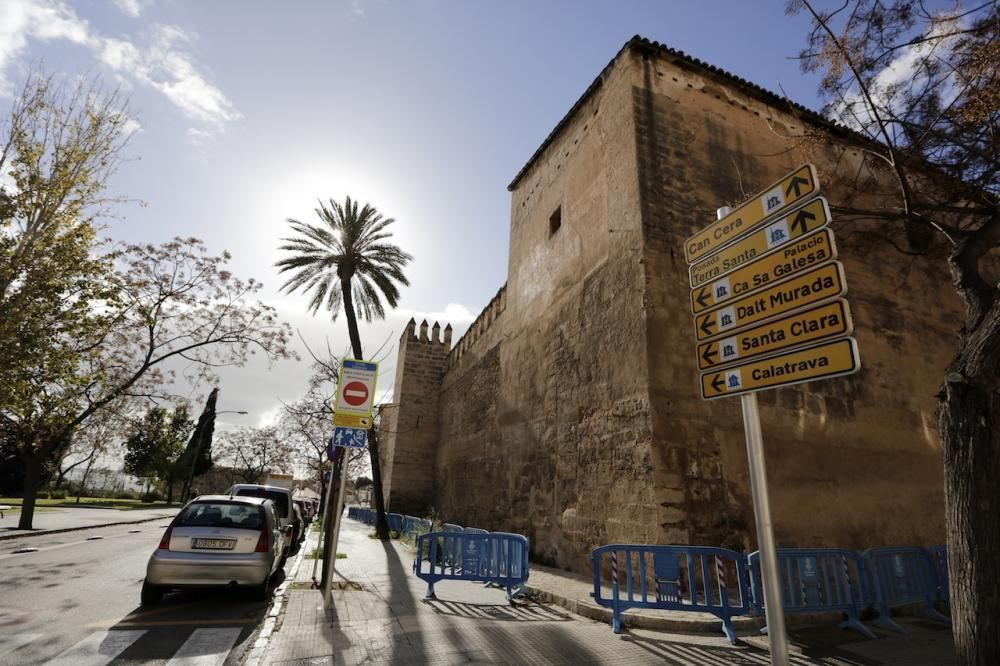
923	87
151	452
58	147
345	260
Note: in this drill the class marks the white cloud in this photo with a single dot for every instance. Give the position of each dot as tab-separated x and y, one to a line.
130	7
164	64
455	314
21	20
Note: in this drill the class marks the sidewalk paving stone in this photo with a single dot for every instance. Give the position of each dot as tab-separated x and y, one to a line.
378	616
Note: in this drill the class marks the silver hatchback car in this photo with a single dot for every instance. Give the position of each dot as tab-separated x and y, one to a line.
218	540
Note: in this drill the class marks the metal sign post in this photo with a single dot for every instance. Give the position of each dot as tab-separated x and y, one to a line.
776	635
326	520
330	558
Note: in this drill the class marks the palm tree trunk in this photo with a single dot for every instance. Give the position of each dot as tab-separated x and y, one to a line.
381	523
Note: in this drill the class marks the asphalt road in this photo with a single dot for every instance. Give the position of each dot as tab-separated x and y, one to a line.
76	601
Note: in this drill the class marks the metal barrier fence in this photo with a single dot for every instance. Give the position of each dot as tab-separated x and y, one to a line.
818	580
900	577
395	521
685	578
494	558
939	557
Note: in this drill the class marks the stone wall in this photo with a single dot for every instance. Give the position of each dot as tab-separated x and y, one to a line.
410	425
852	462
570	412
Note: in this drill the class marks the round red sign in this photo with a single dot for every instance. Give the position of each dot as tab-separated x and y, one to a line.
355	394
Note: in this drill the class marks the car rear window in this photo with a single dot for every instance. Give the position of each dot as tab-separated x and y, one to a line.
280	499
222	514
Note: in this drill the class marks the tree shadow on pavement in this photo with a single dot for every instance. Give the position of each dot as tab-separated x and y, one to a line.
403	604
518	612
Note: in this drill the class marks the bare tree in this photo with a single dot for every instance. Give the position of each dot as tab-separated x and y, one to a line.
922	89
253	452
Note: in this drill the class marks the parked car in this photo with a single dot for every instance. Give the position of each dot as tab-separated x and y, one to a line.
307	509
282	498
218	540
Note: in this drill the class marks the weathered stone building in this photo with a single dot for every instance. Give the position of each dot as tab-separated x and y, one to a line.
570	410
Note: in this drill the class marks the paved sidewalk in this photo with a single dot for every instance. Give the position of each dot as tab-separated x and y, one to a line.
64	519
379	616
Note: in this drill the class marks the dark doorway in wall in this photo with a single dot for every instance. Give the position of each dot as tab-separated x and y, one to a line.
555	221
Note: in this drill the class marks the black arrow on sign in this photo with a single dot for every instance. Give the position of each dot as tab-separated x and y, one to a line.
718	383
702	297
796	182
706	325
800	220
708	354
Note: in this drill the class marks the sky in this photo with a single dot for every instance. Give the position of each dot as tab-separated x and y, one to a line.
247	112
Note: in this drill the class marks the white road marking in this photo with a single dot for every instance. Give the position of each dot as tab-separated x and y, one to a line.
98	649
206	647
12	642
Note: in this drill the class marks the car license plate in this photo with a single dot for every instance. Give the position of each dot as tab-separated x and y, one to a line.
214	544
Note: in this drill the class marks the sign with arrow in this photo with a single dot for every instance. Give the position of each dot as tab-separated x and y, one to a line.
779	197
816	285
805	253
809	326
798	223
823	361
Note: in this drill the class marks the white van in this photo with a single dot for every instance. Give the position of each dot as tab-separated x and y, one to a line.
282	499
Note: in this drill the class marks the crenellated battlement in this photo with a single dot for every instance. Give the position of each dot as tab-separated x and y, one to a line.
482	323
410	334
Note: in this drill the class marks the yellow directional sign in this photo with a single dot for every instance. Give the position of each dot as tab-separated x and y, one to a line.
796	186
830	359
805	253
799	291
352	420
799	222
823	322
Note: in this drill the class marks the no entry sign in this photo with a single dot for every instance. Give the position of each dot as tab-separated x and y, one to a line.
356	389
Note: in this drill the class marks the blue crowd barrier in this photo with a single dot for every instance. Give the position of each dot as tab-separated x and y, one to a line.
939	558
395	521
496	557
684	578
451	546
818	580
474	530
902	576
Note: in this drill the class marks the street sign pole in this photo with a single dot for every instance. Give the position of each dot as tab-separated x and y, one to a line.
777	638
330	558
326	522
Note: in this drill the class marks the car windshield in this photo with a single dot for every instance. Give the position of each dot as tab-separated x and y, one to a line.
280	499
222	514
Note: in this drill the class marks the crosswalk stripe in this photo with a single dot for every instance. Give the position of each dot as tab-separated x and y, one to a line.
98	649
10	643
206	647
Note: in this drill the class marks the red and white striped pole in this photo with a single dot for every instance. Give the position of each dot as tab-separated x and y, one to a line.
720	572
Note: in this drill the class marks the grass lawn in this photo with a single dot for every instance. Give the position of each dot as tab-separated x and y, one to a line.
104	502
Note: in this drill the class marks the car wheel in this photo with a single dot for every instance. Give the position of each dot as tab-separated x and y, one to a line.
151	594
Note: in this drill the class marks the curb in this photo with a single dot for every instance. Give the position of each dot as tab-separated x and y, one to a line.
710	625
255	655
4	537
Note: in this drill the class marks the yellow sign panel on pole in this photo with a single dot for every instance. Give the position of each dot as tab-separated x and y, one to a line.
811	287
813	325
830	359
812	216
796	186
809	251
352	420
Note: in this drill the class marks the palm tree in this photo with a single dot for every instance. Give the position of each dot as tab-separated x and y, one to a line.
346	261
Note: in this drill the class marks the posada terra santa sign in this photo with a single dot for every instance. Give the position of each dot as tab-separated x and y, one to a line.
766	292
